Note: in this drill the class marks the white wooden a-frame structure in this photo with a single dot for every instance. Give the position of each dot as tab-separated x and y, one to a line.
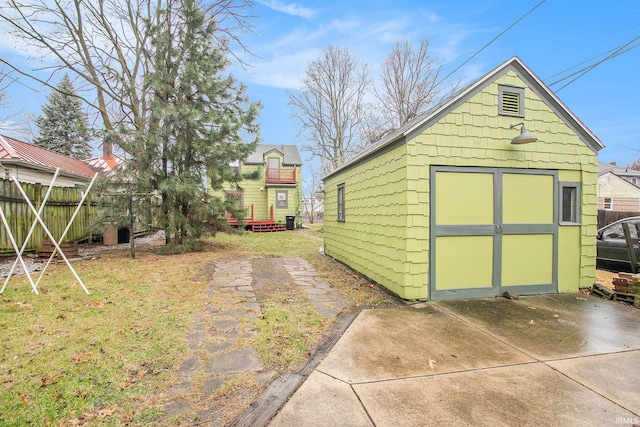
38	220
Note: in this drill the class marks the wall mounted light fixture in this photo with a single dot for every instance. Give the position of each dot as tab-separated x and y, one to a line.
524	137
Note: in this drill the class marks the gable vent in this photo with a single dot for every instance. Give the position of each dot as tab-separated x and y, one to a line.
511	101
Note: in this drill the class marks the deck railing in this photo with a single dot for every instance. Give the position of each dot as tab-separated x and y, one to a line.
281	176
250	219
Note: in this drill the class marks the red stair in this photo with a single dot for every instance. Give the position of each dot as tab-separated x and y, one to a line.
267	227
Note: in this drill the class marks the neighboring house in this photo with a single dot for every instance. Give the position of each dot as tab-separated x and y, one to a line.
32	164
453	206
105	163
618	188
277	194
313	205
631	175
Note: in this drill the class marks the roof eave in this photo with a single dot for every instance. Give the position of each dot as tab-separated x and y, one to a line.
19	162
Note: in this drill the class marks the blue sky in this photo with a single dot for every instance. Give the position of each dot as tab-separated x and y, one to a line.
558	35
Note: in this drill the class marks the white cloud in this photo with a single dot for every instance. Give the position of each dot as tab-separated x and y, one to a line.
284	71
282	60
289	9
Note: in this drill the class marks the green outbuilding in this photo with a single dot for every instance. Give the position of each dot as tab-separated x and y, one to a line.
492	190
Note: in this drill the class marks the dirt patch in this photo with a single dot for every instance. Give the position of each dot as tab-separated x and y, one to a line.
270	277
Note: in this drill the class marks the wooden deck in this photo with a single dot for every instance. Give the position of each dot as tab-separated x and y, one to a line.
258	226
265	226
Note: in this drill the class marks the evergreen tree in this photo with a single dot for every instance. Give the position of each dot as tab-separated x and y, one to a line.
63	127
197	118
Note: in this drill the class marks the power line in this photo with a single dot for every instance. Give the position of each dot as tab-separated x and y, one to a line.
589	67
492	40
619	51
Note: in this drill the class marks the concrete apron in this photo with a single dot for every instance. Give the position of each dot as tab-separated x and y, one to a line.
560	360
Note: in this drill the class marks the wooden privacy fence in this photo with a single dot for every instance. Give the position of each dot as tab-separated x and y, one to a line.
58	210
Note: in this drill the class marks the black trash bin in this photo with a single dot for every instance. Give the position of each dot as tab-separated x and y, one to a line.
290	222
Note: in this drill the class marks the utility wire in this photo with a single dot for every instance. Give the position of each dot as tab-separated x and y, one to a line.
622	49
589	67
580	63
491	42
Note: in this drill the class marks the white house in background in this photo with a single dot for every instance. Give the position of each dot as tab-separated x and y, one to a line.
616	193
313	203
624	172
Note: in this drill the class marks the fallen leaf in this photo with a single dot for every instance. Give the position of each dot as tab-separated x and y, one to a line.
25	399
531	322
533	308
81	358
48	381
555	316
126	418
432	364
98	304
107	411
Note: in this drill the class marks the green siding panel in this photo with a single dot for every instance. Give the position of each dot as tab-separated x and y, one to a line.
386	233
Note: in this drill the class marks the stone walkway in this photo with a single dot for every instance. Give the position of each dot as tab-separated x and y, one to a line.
218	336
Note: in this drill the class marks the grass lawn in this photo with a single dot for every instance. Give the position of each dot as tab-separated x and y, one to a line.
71	359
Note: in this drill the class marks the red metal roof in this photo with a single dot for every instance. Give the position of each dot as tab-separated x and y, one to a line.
12	149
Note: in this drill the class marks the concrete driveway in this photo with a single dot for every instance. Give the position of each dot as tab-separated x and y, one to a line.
560	360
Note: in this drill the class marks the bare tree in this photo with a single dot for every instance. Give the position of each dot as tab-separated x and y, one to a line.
374	126
315	196
144	65
330	106
103	44
409	83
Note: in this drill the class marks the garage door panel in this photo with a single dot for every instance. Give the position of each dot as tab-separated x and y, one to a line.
492	230
527	199
464	198
464	262
527	259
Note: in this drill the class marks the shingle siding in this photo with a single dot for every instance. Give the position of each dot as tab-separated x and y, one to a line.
386	232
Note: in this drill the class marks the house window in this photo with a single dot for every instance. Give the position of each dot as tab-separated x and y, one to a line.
341	204
511	101
282	199
235	166
569	203
234	195
608	204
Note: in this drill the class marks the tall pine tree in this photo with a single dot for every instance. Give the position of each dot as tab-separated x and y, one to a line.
63	127
198	117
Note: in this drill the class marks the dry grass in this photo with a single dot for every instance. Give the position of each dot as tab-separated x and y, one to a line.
71	359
